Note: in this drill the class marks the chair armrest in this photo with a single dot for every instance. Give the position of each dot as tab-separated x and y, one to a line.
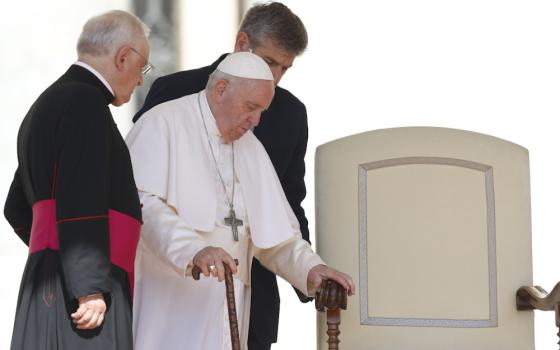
536	298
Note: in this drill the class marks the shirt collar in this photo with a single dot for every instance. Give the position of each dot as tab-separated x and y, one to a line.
208	117
96	73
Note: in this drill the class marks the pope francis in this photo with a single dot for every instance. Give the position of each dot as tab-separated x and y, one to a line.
210	194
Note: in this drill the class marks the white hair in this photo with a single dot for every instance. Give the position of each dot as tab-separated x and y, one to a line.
233	81
106	33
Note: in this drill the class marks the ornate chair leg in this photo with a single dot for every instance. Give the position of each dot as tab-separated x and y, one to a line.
557	312
331	297
333	321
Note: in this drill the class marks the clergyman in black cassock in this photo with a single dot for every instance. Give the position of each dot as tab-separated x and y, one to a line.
74	202
282	131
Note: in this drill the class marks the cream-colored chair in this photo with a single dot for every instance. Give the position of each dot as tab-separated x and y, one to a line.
434	226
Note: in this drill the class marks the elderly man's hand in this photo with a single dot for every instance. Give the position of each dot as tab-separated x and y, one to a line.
322	272
90	312
211	261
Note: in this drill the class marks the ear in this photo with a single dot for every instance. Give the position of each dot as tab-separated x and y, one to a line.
219	90
242	42
120	58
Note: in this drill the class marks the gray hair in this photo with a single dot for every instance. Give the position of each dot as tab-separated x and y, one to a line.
277	22
106	33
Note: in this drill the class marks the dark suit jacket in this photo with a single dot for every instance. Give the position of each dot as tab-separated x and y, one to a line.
283	132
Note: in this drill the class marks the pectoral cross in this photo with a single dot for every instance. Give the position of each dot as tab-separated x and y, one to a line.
233	222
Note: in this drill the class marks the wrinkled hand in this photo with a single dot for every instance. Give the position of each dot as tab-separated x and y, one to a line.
90	313
322	272
211	261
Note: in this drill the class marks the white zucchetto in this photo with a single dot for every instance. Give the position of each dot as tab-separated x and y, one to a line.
245	65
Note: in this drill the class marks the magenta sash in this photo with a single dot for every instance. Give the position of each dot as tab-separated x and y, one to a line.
124	233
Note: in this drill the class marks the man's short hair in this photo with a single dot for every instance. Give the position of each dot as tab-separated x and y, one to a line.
277	22
106	33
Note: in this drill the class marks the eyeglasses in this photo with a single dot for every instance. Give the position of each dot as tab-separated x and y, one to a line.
148	67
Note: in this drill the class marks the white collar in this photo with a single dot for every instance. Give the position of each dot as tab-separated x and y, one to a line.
209	119
96	73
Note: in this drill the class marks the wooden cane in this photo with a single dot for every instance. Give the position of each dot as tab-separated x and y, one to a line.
230	297
332	297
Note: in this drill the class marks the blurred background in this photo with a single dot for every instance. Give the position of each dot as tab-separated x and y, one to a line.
491	66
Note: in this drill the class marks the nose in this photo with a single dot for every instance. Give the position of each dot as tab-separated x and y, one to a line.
255	118
277	73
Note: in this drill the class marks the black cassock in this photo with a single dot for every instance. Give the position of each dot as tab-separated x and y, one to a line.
74	202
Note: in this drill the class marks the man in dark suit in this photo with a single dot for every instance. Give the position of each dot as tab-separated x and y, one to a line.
277	35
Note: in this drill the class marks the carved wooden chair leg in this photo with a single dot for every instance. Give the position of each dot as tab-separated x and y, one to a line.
332	297
557	312
230	298
333	321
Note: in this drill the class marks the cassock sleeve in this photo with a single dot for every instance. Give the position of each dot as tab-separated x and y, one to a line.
17	209
292	261
167	236
82	195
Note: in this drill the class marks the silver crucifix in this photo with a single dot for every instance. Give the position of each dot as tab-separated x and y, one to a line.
233	222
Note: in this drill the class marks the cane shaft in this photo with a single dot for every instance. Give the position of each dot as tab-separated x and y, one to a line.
230	298
232	312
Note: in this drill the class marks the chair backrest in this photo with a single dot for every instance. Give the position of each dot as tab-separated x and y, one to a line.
434	226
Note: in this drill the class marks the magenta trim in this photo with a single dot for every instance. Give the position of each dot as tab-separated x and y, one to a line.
123	244
124	233
53	186
82	218
44	233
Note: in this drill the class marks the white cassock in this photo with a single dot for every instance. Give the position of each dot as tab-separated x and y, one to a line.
184	206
